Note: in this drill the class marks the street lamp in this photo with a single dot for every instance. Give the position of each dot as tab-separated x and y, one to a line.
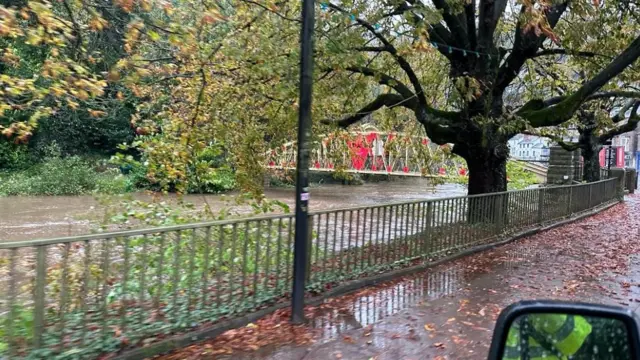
302	163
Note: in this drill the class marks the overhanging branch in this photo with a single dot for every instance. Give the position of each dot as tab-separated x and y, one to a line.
546	52
384	79
564	110
404	64
569	146
388	100
630	125
603	95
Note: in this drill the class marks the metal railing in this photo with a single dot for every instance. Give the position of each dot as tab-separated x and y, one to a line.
78	297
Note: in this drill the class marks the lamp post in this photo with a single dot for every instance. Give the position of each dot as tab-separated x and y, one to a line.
302	163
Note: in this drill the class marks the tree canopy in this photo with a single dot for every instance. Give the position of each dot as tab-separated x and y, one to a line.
220	77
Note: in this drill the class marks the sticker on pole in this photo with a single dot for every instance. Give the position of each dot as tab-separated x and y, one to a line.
304	197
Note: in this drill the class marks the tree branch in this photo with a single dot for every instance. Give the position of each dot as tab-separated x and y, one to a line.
620	115
490	13
565	109
525	46
272	11
384	79
388	100
455	26
630	125
404	64
546	52
603	95
437	32
370	48
76	29
569	146
470	15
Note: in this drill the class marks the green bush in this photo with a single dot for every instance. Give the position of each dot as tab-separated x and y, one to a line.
214	181
62	176
210	179
14	157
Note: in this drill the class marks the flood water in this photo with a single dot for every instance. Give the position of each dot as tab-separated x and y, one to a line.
35	217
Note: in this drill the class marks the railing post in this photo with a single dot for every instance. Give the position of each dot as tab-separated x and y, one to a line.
39	301
590	193
569	208
427	236
501	210
540	205
309	247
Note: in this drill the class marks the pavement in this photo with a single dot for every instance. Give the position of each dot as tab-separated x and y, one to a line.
448	312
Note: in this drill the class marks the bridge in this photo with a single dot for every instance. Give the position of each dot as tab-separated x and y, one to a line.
372	152
381	153
538	169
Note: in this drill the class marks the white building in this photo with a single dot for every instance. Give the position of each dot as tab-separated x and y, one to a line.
529	147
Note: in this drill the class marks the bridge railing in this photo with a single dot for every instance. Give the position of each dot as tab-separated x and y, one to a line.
86	295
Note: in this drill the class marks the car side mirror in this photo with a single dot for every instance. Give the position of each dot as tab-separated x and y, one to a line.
564	330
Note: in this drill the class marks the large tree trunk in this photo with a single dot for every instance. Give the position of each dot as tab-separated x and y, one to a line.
487	165
487	175
591	156
487	162
590	149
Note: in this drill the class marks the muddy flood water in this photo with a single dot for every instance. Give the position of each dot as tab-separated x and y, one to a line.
36	217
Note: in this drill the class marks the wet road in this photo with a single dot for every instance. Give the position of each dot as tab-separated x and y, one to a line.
448	312
23	218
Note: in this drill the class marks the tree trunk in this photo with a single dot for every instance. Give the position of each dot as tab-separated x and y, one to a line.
591	156
487	174
487	166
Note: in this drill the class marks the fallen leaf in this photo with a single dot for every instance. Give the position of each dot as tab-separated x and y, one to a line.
348	339
439	346
430	327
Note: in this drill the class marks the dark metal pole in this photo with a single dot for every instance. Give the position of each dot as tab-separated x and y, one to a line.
610	157
302	164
